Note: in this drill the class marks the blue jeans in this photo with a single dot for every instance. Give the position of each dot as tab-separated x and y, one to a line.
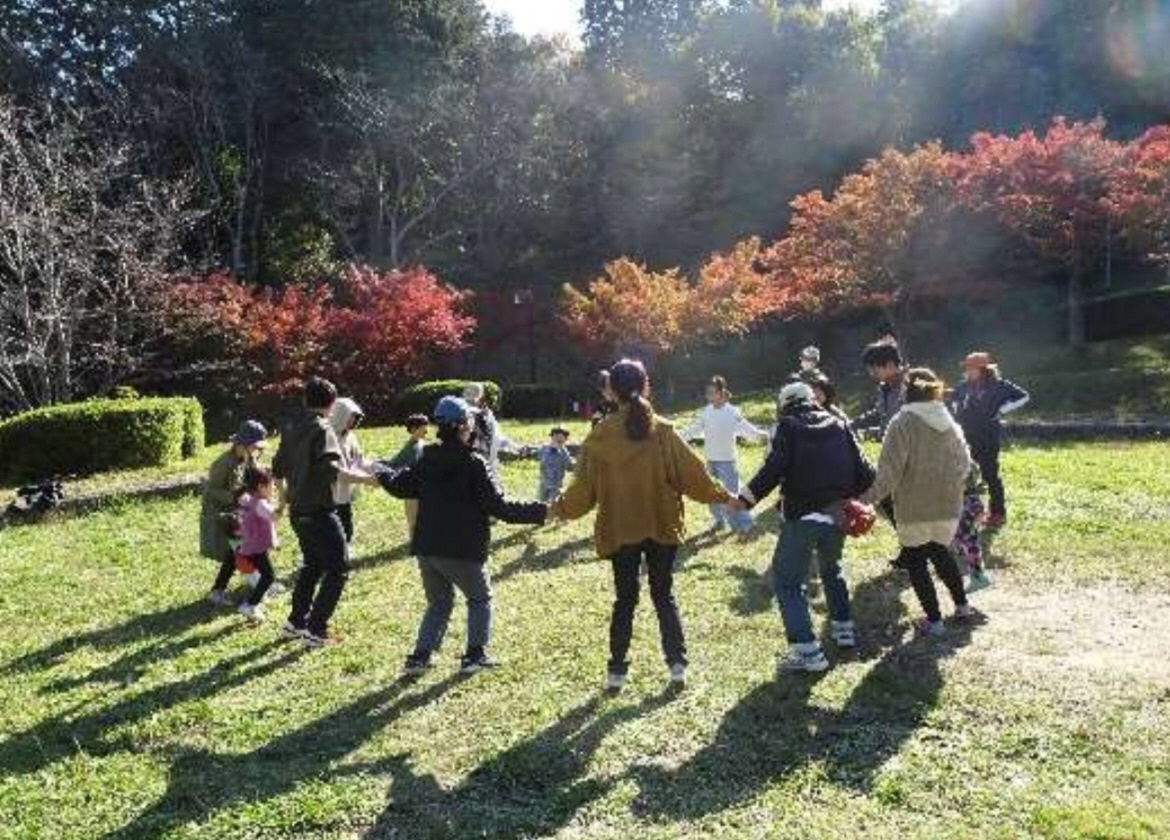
725	473
441	576
798	542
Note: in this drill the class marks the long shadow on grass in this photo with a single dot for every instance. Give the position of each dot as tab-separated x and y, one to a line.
381	558
532	789
774	732
532	560
202	783
95	732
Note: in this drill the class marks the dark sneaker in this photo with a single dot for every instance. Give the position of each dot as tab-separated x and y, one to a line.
312	640
474	663
416	664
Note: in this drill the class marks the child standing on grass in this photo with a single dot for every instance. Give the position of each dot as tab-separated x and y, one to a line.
409	455
346	417
555	462
968	543
721	424
217	519
979	404
457	499
258	538
635	469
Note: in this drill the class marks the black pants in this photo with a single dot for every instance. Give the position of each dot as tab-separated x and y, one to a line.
345	514
914	561
986	455
660	567
267	576
322	541
227	568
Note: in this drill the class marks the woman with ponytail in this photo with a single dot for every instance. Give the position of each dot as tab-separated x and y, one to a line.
635	469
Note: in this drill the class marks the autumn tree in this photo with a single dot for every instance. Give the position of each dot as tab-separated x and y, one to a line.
1053	192
1139	195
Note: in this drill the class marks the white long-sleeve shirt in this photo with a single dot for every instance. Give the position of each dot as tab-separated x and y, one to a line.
720	427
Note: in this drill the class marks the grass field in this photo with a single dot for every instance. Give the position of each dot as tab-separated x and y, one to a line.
130	709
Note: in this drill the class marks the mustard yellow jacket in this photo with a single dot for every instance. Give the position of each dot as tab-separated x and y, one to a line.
636	486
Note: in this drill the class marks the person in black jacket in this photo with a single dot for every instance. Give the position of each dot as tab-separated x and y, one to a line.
979	404
457	498
818	465
885	366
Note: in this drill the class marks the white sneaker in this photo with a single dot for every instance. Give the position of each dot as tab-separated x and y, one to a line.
219	597
844	634
678	674
275	591
250	612
798	662
615	682
289	631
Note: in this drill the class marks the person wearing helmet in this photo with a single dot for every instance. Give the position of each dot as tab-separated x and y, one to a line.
818	466
457	499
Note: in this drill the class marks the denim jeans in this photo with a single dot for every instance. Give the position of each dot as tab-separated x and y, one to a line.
725	473
441	576
627	563
799	542
326	562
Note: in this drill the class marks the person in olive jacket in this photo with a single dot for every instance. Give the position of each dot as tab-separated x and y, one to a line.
217	516
457	499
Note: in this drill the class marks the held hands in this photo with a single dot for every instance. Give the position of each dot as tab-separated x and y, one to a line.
737	505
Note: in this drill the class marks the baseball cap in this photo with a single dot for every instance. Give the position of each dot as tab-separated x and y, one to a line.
250	433
452	411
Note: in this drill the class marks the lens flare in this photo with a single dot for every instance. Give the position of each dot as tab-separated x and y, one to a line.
1137	41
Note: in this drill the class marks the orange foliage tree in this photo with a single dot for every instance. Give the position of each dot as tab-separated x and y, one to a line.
1139	195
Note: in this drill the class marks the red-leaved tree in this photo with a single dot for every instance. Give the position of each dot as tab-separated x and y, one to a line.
1139	194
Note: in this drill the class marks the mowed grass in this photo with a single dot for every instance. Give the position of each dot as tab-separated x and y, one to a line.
130	709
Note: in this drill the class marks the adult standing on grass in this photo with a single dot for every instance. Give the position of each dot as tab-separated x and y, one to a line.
720	424
818	465
221	492
488	440
979	403
883	361
924	467
457	498
309	461
635	469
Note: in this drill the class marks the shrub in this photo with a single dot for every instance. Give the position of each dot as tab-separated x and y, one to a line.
533	402
89	437
421	398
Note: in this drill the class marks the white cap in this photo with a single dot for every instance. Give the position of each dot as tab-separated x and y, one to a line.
794	393
812	353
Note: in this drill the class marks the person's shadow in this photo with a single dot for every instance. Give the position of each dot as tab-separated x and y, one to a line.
533	560
532	789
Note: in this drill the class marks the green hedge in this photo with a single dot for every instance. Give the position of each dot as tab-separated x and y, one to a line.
536	402
98	435
421	398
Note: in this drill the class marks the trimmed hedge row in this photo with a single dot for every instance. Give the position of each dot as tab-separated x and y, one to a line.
421	398
99	435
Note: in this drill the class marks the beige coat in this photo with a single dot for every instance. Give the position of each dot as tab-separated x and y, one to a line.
924	466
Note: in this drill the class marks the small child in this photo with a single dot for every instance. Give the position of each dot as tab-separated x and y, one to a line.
555	461
258	537
968	545
810	360
345	417
409	455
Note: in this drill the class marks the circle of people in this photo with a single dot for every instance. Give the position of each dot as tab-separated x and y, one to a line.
939	454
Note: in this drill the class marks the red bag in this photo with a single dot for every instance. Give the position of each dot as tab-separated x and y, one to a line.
243	565
858	519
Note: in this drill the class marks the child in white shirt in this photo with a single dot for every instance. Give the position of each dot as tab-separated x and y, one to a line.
721	424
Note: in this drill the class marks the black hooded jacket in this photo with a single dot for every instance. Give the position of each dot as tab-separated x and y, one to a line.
457	499
816	462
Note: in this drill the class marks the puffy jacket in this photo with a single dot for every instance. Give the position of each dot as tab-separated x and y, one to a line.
457	498
815	461
979	408
636	486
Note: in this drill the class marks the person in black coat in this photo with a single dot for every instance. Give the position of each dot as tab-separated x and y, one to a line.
457	499
979	404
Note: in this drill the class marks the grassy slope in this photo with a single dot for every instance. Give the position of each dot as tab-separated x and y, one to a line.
129	709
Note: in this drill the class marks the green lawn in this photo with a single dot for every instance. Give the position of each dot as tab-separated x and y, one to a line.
130	709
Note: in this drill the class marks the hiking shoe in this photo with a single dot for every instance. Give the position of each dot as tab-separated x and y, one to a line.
802	663
678	674
288	630
931	629
978	581
416	664
844	634
474	663
219	597
313	641
615	682
252	612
